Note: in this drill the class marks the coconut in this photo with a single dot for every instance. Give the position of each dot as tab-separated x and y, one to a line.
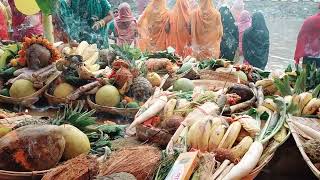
63	90
21	88
76	141
184	85
108	96
312	149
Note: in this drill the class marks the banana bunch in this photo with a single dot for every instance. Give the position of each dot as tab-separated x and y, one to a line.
306	104
212	133
89	53
268	86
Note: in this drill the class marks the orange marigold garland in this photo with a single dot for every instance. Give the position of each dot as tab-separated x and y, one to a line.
27	42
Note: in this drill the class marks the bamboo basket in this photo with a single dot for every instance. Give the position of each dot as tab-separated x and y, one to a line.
125	112
153	135
220	76
52	100
255	172
30	100
12	175
300	139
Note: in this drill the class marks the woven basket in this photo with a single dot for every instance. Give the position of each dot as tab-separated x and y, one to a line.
125	112
220	76
153	135
30	100
300	139
255	172
12	175
52	100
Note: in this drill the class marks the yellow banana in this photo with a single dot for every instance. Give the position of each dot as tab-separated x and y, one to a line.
239	150
217	133
264	82
230	136
268	103
312	107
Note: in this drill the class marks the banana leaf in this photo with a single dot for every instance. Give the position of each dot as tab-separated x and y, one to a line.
46	6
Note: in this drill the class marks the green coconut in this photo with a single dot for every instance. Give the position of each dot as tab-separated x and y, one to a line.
184	85
241	75
21	88
108	96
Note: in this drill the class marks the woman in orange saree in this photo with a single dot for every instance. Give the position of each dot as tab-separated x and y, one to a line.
152	27
206	31
179	34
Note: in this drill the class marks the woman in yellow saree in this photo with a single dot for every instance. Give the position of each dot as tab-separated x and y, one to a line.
152	26
206	31
179	34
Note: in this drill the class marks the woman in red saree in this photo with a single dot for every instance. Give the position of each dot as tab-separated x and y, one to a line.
152	27
125	26
179	32
308	44
206	31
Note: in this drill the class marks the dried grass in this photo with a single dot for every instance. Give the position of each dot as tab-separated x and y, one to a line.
141	161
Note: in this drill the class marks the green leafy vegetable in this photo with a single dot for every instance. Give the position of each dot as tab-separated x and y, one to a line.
283	85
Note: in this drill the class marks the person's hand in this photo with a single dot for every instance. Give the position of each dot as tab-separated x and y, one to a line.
98	24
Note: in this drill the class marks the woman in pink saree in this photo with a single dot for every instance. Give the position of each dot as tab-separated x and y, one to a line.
243	24
125	26
24	25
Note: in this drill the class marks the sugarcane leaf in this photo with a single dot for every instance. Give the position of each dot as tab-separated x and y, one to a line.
283	85
300	85
289	68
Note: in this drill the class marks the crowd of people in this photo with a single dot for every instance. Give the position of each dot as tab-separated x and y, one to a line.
192	28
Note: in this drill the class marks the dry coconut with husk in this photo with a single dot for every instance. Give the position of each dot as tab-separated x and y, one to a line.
81	168
141	161
312	149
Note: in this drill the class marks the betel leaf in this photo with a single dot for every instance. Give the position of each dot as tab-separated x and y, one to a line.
46	6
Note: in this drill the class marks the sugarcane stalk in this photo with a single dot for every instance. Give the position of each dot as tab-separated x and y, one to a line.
48	27
83	89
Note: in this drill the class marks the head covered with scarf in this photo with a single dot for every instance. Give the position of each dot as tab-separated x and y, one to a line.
237	8
308	44
179	36
206	31
125	25
151	26
230	39
256	42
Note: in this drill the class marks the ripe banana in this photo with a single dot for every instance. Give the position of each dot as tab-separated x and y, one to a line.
169	108
199	134
217	133
312	107
268	103
304	100
239	150
264	83
230	136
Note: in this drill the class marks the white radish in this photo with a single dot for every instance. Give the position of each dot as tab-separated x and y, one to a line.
247	163
225	171
220	169
307	130
153	110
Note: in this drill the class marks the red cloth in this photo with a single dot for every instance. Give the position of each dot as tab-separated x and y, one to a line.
3	27
308	44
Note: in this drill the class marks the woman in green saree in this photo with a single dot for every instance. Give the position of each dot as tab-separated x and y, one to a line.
85	20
